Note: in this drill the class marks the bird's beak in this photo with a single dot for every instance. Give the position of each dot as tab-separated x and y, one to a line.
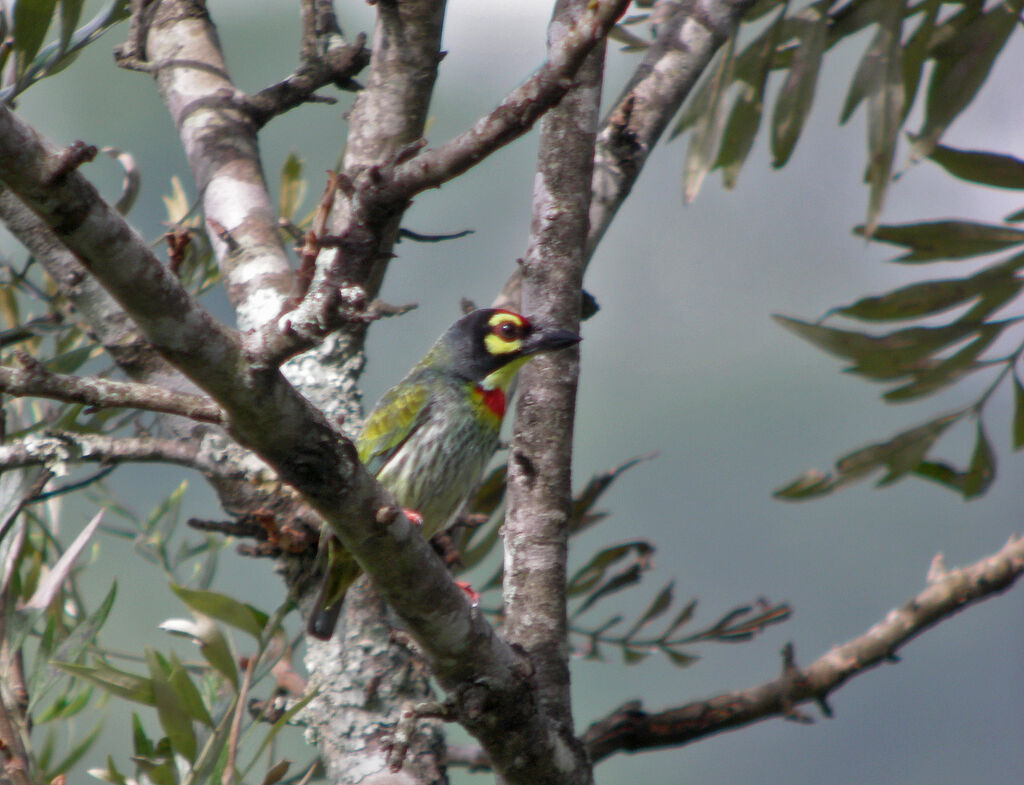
548	339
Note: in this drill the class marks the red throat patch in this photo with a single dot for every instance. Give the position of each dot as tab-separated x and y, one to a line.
494	400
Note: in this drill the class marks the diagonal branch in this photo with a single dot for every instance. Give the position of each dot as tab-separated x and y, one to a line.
630	729
36	381
517	113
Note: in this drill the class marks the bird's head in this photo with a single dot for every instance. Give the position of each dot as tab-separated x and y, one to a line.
488	345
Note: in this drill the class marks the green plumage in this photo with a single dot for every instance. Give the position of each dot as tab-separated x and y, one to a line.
431	436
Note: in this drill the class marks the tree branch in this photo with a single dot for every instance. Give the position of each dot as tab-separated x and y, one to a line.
35	380
54	449
689	34
539	477
517	113
688	37
630	729
220	143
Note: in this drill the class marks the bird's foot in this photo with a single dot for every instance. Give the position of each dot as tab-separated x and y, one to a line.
470	592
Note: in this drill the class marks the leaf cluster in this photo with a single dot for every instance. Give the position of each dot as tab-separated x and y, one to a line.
26	27
941	51
949	330
608	572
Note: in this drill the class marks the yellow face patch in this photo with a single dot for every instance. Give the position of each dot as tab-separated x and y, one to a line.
506	333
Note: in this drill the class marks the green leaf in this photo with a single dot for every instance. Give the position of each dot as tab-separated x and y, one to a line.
708	129
120	683
63	707
912	350
631	656
885	108
808	485
962	65
83	633
918	299
976	166
899	454
70	13
945	239
276	772
292	189
982	470
593	572
170	707
794	101
581	516
1018	413
679	658
71	361
915	52
227	609
75	754
745	118
660	604
941	473
949	369
894	354
683	617
31	21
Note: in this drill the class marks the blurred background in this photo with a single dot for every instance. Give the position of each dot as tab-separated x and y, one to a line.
682	358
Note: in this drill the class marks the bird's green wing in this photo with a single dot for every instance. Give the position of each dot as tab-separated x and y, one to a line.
396	417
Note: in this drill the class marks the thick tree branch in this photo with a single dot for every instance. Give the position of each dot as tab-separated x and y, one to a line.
539	478
484	676
35	380
630	729
219	140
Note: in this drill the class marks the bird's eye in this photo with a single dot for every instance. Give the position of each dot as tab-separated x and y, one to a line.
508	330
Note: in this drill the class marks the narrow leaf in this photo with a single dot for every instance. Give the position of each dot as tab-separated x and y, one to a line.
885	109
292	188
170	708
941	473
915	52
227	609
962	65
679	658
50	585
918	299
708	129
70	13
982	470
797	93
658	606
31	21
1018	413
945	239
949	369
124	685
976	166
745	118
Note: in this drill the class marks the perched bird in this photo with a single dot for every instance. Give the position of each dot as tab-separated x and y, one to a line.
431	436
